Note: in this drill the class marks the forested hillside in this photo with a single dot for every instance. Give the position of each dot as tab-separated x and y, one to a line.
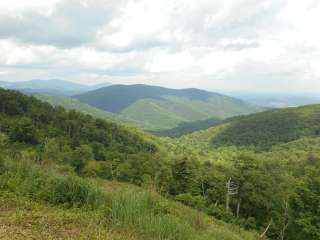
56	164
266	129
64	161
271	160
158	108
188	127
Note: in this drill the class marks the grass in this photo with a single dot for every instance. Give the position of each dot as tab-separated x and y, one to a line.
40	203
139	211
23	218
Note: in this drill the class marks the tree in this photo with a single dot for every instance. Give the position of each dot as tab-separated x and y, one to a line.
185	174
80	156
24	131
305	205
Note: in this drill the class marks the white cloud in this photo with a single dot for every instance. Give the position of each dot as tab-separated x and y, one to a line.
235	44
170	62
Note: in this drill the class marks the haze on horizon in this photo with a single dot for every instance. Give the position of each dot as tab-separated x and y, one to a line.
239	45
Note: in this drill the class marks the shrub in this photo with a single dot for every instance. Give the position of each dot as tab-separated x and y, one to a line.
73	191
32	181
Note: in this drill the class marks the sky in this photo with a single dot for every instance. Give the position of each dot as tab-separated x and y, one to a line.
240	45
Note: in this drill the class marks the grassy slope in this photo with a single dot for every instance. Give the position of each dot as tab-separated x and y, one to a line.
22	218
127	212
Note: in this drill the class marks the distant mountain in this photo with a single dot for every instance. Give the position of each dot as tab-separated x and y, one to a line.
70	103
74	104
159	108
53	87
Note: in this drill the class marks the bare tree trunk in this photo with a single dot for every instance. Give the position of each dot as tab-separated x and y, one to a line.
238	207
266	230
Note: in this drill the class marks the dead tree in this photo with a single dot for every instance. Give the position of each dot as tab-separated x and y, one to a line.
231	189
266	230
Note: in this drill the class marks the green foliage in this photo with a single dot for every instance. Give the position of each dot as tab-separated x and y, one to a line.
31	180
187	127
80	156
263	130
70	103
276	185
67	135
24	131
306	223
142	212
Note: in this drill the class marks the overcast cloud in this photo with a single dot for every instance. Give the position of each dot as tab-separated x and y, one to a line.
236	44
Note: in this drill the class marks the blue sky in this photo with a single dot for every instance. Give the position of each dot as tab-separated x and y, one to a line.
253	45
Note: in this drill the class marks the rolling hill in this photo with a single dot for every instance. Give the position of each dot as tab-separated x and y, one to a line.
159	108
70	103
262	130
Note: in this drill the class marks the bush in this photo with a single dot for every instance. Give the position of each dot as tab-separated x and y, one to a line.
73	191
197	202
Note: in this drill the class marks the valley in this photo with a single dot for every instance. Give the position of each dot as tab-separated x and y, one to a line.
142	186
159	120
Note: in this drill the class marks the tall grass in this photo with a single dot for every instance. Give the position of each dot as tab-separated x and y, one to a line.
129	208
138	210
31	180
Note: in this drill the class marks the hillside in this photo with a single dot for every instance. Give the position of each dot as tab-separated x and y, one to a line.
68	167
70	103
261	130
159	108
276	151
78	208
266	129
53	87
74	104
55	171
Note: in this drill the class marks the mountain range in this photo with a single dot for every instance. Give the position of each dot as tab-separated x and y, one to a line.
159	108
54	87
239	178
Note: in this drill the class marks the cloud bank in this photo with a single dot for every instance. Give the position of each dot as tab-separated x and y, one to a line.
235	44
